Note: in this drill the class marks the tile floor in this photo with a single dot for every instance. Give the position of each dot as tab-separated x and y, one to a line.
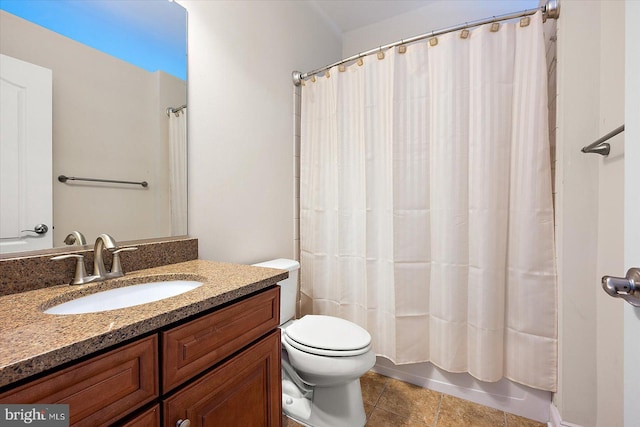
392	403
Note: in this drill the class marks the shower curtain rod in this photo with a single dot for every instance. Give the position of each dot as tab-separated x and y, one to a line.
551	10
175	110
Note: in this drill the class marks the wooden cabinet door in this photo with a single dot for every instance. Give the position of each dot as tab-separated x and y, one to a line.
148	418
244	391
101	390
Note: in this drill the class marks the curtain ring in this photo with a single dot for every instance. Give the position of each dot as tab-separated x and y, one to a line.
464	34
495	26
433	41
402	48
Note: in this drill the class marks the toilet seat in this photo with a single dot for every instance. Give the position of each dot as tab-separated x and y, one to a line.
327	336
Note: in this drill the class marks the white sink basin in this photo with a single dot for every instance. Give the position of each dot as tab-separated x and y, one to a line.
127	296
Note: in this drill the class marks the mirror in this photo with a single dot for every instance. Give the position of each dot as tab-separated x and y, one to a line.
116	115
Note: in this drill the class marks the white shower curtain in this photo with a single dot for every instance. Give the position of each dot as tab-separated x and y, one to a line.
178	171
426	208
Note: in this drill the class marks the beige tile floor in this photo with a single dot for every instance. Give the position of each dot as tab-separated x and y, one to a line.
392	403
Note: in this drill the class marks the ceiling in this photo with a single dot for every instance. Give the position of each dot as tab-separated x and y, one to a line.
351	14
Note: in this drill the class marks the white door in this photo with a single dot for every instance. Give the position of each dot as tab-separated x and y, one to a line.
632	210
25	156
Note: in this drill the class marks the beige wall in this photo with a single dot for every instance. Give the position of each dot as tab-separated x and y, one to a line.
589	211
109	121
241	121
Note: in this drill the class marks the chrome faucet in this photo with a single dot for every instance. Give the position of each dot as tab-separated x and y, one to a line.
75	238
99	270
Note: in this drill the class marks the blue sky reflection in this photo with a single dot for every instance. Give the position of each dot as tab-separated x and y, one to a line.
151	34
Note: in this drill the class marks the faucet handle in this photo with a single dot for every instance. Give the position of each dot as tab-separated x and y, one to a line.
80	273
116	266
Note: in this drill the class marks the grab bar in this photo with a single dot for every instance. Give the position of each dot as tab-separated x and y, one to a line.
600	146
175	110
63	178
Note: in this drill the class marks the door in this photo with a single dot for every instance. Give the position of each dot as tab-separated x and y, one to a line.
25	156
632	210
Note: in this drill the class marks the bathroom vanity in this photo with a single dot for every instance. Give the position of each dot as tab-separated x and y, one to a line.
210	356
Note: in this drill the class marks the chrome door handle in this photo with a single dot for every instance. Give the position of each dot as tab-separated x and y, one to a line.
627	288
38	229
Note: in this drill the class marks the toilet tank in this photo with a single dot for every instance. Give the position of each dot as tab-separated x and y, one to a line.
288	287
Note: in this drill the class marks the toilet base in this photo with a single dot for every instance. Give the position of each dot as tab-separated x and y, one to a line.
338	406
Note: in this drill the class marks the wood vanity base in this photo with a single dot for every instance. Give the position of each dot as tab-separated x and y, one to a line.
219	369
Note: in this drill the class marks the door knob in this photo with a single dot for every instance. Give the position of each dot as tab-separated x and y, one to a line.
627	288
38	229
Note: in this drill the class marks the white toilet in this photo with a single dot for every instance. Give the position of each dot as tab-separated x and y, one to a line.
323	359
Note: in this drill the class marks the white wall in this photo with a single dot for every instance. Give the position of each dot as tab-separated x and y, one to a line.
434	16
610	311
241	121
632	207
109	121
241	154
589	226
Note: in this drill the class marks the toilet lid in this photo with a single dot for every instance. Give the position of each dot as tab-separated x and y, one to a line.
326	335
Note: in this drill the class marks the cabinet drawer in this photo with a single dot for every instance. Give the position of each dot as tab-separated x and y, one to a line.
99	390
244	391
195	346
148	418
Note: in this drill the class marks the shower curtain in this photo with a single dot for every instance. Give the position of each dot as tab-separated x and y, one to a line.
426	210
178	171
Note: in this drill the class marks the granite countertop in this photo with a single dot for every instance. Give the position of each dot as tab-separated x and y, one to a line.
32	342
